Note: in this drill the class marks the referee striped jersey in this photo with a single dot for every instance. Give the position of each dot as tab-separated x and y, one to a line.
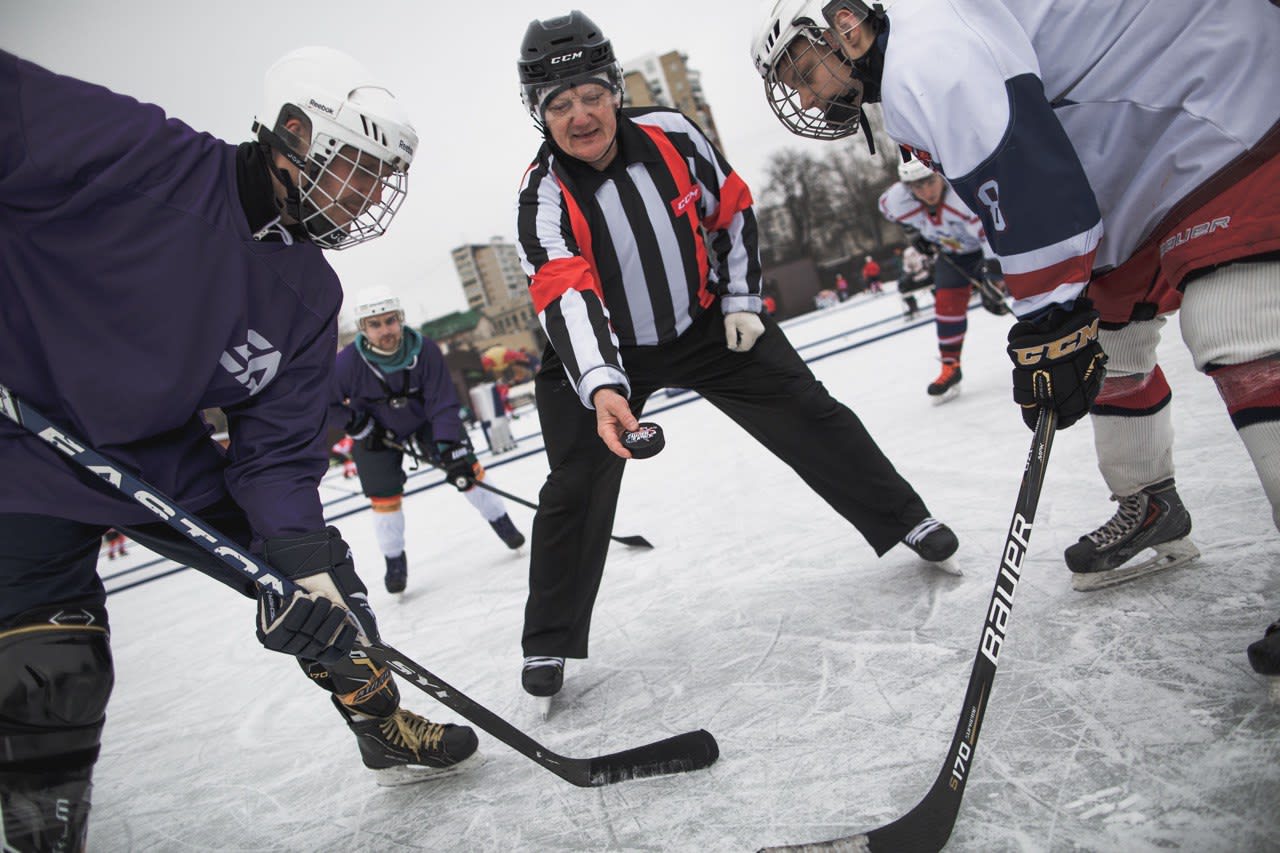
631	255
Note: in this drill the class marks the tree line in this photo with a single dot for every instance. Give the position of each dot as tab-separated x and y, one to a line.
824	205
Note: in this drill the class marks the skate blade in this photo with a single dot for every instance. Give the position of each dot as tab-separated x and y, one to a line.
948	566
1169	555
543	704
946	396
412	774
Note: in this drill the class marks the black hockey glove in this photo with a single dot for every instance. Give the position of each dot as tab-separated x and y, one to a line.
324	623
459	463
362	427
920	244
1057	362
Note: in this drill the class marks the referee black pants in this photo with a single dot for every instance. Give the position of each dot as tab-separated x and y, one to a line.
769	391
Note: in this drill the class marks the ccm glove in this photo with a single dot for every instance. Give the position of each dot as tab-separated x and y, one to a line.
330	615
741	330
459	463
1058	363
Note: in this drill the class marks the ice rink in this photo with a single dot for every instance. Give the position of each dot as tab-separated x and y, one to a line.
1121	720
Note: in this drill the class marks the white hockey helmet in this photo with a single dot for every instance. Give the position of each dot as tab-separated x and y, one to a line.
354	167
913	170
374	301
805	23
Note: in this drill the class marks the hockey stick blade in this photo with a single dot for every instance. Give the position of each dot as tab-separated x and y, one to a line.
629	541
928	825
679	754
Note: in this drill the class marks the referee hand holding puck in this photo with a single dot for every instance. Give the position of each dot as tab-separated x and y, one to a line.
618	428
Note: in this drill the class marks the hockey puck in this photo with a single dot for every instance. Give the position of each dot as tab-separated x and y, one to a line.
645	441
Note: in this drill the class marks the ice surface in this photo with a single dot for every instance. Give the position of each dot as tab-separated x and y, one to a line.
1125	719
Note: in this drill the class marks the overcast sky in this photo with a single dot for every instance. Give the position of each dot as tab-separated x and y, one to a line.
453	64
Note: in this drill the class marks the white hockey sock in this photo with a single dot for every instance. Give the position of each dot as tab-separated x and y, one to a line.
486	503
389	528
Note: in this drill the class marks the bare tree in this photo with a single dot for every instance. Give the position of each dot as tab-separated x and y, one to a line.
803	202
827	208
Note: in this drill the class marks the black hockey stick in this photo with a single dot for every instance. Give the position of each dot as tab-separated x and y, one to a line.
928	826
992	298
629	541
689	751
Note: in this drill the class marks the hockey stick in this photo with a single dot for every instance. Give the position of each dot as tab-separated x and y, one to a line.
689	751
991	296
629	541
928	826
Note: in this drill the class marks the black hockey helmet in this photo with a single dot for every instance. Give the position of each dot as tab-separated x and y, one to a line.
560	53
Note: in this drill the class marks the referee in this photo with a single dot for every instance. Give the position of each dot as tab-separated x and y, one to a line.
641	244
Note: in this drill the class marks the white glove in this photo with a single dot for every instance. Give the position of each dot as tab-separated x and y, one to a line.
742	329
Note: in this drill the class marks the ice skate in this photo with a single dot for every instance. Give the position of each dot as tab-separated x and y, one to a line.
542	678
397	573
935	543
507	532
404	748
947	385
1153	518
1264	657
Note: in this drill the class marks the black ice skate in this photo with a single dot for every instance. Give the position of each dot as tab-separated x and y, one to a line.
1264	657
397	573
1153	518
404	748
507	532
947	385
542	677
935	542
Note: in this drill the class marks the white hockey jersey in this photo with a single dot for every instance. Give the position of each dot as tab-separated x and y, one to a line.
1154	96
951	226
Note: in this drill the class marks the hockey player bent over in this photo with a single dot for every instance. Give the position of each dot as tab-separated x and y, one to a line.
923	203
654	197
392	389
1114	186
137	250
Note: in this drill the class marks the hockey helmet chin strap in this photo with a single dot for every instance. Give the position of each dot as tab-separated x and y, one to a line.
291	206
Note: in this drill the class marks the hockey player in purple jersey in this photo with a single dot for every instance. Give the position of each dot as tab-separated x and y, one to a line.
392	390
1115	185
136	252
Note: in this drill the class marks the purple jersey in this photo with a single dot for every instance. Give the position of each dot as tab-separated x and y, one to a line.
424	386
134	297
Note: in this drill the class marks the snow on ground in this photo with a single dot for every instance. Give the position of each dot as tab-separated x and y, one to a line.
1125	719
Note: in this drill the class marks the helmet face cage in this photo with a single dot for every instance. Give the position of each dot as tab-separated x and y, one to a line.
348	196
828	118
352	152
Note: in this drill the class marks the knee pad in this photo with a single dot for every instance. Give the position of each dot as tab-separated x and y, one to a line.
1232	315
55	680
1131	347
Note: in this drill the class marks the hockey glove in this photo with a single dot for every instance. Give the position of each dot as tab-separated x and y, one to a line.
920	244
741	330
360	426
459	463
324	623
1057	362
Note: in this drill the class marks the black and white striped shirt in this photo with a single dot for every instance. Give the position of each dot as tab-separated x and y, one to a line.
631	255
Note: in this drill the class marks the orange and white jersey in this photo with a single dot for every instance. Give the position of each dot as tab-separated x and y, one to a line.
1073	129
